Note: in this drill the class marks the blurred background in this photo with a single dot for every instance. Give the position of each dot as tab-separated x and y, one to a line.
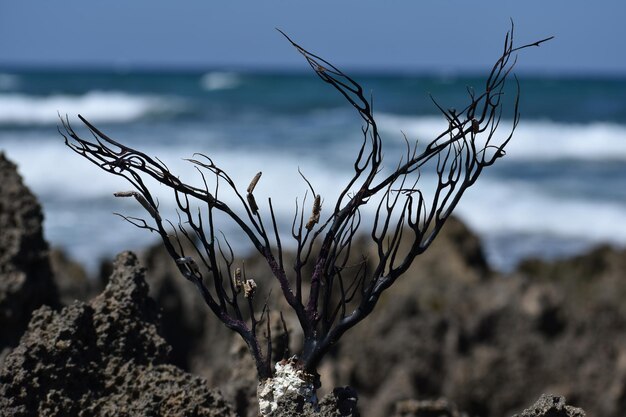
217	78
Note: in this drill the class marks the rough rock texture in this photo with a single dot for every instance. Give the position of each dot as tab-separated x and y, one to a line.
104	358
341	402
546	406
200	343
551	406
415	327
493	344
287	379
450	328
25	276
204	346
427	408
184	313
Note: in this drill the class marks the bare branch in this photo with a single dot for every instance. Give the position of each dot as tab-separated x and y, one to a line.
344	286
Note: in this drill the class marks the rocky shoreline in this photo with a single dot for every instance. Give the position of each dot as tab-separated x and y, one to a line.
140	341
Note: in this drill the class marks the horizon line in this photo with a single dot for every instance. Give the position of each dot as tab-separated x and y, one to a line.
296	70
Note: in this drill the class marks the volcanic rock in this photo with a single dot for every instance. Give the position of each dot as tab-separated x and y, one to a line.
551	406
102	358
26	281
427	408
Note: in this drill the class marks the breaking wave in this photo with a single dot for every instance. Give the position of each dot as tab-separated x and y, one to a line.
216	80
97	106
533	139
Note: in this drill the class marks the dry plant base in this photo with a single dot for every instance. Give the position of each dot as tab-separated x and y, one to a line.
287	379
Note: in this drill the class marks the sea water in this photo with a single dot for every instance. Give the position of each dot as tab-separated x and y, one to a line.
560	189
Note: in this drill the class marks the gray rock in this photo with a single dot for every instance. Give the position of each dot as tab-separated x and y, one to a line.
103	358
26	281
427	408
341	402
551	406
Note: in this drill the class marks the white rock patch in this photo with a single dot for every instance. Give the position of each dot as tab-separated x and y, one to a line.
287	379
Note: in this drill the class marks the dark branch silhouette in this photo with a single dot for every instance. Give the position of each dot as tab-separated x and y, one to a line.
344	287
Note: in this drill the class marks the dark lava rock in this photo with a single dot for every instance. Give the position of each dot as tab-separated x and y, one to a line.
489	343
551	406
450	327
427	408
26	281
341	402
185	316
103	358
592	280
403	350
200	342
546	406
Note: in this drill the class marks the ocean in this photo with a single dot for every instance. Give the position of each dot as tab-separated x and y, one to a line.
560	189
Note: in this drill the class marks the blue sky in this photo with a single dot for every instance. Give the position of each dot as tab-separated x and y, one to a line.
396	35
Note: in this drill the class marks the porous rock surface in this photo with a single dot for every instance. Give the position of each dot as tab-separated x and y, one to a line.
26	281
546	406
551	406
184	314
427	408
492	344
201	344
450	328
102	358
341	402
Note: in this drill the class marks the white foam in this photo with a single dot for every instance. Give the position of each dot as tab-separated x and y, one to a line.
97	106
217	80
550	140
50	168
533	139
491	207
495	207
75	178
78	196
